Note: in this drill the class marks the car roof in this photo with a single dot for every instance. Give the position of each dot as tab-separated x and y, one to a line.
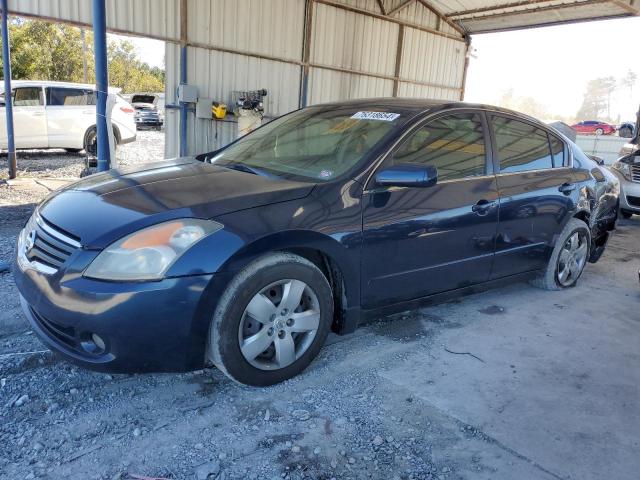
52	83
423	105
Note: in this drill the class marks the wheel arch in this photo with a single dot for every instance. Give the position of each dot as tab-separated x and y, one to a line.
226	252
116	133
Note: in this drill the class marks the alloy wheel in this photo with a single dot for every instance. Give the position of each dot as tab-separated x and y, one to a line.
279	324
572	258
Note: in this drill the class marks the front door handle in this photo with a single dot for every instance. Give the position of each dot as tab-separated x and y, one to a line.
567	188
38	114
482	207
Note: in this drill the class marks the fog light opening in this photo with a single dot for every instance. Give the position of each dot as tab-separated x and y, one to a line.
97	339
93	344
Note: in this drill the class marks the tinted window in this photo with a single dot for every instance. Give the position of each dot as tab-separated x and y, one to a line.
521	146
558	152
57	96
453	144
27	97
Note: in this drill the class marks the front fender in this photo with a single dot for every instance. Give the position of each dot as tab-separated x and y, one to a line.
225	251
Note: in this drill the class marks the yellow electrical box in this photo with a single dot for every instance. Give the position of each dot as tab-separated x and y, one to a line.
219	110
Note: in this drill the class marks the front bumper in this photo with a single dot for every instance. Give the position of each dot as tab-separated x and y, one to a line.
629	195
145	327
148	121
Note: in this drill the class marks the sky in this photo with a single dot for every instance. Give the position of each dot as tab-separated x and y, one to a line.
554	64
550	64
151	51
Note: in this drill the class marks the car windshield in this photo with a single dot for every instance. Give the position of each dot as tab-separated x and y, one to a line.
316	143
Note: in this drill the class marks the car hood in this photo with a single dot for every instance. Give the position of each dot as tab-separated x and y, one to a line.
107	206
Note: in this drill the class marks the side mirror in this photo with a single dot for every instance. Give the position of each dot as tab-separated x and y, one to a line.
408	175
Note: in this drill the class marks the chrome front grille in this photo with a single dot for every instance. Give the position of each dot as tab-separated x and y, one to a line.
635	173
46	246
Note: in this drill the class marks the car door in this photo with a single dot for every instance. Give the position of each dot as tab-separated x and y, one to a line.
70	112
537	190
418	241
29	120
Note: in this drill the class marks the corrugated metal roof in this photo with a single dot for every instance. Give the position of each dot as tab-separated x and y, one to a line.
480	16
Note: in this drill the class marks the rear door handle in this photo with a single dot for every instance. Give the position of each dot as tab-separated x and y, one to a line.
482	207
38	114
567	188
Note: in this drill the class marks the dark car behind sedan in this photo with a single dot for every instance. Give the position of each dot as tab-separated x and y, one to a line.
246	257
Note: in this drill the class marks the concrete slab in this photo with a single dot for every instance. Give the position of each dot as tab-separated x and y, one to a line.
556	379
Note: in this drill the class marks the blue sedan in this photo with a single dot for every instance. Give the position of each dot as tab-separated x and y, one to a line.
245	258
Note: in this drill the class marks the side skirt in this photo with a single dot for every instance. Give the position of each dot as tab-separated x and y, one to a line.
357	316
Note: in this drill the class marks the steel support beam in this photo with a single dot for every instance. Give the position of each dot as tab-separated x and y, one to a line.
465	71
102	83
306	53
367	13
626	6
545	8
495	12
6	70
184	108
493	8
399	49
442	17
399	7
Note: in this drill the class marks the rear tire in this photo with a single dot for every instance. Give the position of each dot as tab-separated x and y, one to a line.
568	259
73	150
260	308
626	214
90	142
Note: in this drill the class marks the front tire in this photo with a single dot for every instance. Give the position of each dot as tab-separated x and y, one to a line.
568	259
272	320
626	214
599	131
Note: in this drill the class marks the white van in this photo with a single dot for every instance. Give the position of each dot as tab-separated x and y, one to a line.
61	115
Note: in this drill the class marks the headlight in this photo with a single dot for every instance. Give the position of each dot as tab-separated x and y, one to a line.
623	168
148	253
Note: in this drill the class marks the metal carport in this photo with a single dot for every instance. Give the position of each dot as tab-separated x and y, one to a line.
309	51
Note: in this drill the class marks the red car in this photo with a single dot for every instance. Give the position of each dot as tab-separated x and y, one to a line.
594	127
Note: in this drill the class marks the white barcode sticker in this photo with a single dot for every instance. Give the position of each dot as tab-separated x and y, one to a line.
382	116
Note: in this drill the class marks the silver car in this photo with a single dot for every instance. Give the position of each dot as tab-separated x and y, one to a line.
627	168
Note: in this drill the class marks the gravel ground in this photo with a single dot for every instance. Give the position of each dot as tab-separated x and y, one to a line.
342	418
58	163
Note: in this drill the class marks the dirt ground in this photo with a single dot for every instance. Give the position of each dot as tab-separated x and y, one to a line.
516	383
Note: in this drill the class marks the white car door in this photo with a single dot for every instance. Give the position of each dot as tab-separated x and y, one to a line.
29	118
71	111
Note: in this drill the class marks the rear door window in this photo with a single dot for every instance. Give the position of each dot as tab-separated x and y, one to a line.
68	97
559	152
454	144
521	146
27	97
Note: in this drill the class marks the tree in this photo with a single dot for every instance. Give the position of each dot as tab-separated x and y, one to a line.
51	51
41	50
526	104
597	99
128	72
629	81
